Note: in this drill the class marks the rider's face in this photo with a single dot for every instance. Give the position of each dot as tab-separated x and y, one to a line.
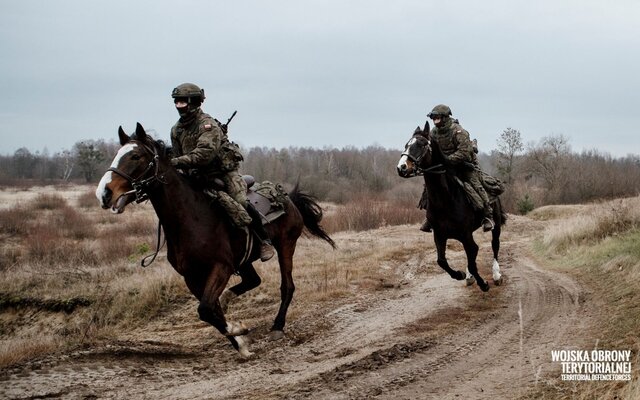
437	120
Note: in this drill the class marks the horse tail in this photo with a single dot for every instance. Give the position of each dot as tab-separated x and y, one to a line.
311	214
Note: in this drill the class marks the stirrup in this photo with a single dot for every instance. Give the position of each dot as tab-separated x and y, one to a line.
426	226
266	251
487	224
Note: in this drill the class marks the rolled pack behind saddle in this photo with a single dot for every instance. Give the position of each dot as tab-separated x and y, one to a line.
492	185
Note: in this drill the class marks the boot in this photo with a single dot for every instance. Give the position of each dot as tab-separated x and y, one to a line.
487	222
426	226
266	248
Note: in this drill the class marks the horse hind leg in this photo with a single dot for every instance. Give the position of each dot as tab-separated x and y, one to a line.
287	288
495	246
250	280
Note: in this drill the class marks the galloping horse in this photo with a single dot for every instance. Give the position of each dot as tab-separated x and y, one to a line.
451	214
202	244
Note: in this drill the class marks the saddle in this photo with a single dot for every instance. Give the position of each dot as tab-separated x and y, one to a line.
267	197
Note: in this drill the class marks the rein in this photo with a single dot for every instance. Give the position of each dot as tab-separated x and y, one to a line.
434	169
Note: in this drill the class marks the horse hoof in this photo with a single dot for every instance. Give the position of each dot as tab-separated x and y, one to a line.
275	335
470	280
236	329
460	276
497	282
484	286
243	347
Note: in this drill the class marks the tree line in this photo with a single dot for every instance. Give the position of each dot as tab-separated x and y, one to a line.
546	172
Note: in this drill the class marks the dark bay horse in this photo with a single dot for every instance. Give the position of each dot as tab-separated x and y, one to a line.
451	214
202	244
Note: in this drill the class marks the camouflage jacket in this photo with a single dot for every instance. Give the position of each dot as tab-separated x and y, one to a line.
197	144
454	142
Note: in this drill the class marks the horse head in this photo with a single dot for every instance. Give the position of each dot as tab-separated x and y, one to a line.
132	170
417	154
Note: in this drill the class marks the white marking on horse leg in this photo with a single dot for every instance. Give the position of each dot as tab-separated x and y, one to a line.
470	280
497	277
225	299
107	177
236	329
243	346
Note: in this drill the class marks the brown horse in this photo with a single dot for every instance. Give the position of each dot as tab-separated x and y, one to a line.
202	244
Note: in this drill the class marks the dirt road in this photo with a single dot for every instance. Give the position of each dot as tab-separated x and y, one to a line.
424	336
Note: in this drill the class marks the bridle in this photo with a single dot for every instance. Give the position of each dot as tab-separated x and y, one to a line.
141	184
434	169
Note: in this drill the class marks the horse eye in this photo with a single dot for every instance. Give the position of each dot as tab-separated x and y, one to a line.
135	157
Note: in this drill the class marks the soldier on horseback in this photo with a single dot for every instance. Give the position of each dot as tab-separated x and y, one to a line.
459	152
200	145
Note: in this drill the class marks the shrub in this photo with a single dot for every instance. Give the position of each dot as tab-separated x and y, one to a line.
14	220
48	202
88	200
525	205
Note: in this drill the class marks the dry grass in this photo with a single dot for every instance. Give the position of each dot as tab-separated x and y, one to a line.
72	276
589	224
366	213
600	243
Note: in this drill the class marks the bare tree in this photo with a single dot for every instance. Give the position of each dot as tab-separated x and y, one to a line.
509	145
548	161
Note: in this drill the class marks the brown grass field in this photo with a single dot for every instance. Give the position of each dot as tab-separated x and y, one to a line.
71	286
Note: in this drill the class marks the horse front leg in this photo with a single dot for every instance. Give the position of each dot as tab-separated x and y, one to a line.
471	249
287	287
441	248
250	280
210	310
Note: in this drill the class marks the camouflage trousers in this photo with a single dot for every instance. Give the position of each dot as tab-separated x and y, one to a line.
234	198
482	199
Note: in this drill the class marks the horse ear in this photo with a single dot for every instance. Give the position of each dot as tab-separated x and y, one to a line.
124	138
427	128
140	133
417	131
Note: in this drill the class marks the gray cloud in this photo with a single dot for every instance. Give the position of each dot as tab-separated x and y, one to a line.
321	73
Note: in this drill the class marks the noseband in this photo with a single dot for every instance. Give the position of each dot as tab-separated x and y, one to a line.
141	184
434	169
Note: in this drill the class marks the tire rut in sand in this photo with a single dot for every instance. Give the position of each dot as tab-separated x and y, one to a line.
498	357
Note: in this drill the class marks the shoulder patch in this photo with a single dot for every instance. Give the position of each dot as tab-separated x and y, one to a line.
459	131
208	127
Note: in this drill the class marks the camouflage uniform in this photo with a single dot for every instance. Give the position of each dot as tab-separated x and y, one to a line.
200	144
460	152
197	141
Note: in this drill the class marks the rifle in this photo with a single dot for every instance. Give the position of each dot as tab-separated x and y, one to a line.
225	126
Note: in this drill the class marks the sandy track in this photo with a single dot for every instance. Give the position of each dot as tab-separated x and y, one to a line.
429	337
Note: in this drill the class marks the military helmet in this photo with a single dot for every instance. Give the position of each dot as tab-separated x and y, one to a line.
188	91
441	110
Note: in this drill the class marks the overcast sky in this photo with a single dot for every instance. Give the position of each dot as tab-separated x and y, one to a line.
322	73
